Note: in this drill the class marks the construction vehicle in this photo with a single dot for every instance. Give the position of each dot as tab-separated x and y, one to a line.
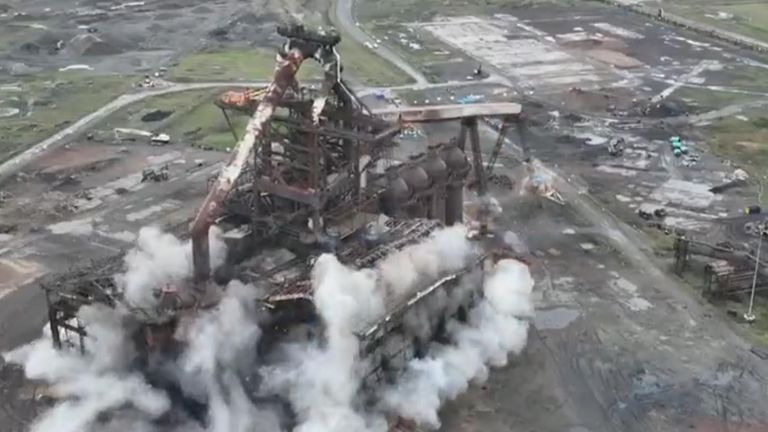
616	146
127	133
678	148
155	175
316	172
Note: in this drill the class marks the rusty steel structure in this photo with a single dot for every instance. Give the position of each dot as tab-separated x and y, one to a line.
728	272
93	283
315	173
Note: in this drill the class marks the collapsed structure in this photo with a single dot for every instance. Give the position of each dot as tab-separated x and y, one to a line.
315	173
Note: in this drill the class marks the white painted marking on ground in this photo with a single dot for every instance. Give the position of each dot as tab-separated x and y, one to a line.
688	224
555	319
629	291
618	31
18	273
699	68
616	170
684	193
149	211
530	59
124	236
78	227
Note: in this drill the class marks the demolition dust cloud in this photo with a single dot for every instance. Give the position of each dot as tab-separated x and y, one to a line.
218	384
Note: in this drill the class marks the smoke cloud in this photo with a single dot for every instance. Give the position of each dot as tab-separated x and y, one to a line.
97	382
447	250
320	377
158	260
496	327
322	380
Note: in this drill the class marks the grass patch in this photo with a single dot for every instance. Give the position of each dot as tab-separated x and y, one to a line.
750	18
758	329
241	64
424	10
748	77
368	67
177	103
663	244
49	103
746	17
707	99
195	120
257	64
745	143
362	63
432	56
205	126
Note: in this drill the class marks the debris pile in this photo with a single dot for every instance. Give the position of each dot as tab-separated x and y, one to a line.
155	175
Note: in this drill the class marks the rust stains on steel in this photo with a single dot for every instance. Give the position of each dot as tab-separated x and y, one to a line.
423	114
284	78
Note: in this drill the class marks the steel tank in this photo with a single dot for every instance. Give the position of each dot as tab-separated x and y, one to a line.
396	194
458	168
436	168
419	182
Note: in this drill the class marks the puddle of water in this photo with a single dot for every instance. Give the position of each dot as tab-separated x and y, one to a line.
555	319
8	112
74	227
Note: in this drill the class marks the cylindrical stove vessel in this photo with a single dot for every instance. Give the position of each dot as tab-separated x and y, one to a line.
396	194
454	204
438	173
458	167
418	181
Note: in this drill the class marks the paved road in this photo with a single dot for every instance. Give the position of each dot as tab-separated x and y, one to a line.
710	31
345	18
13	165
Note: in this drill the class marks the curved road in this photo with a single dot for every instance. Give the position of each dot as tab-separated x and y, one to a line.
14	164
345	19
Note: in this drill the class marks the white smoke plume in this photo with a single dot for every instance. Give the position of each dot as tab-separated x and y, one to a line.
321	378
496	327
160	259
222	345
98	381
322	381
446	250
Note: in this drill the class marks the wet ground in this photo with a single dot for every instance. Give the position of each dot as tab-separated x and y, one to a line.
123	37
617	344
611	349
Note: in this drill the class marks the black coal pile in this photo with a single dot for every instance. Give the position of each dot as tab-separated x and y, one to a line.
664	109
246	27
92	45
156	115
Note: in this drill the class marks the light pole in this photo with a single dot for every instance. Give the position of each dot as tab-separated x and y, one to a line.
749	316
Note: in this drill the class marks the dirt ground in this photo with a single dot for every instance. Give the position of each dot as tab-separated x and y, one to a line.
127	37
618	343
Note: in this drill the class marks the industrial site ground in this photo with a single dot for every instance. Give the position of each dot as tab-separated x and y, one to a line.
619	342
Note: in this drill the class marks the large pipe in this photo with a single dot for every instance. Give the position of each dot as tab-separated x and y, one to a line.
284	77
